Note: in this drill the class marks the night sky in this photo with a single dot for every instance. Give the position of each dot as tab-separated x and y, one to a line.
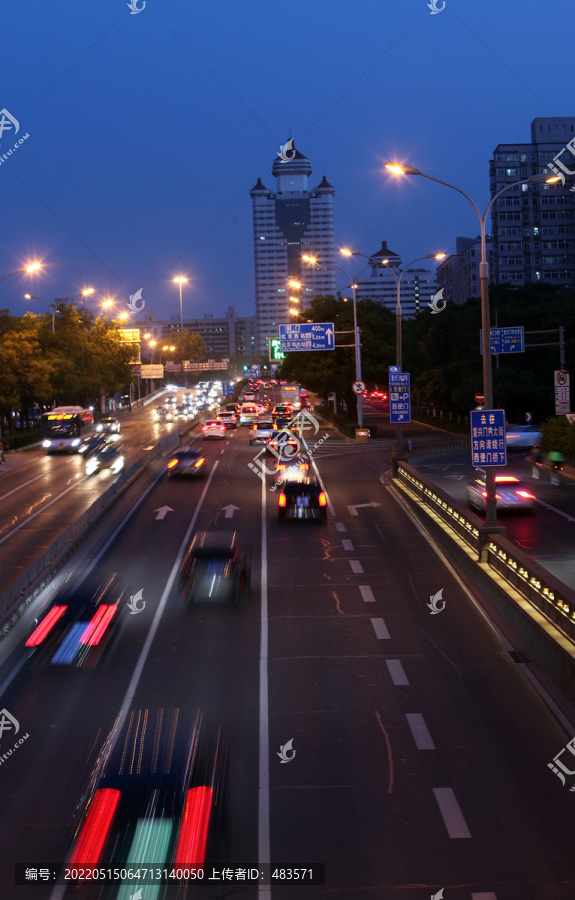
148	130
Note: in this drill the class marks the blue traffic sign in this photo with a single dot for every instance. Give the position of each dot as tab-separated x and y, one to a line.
308	336
505	340
399	397
488	445
394	369
228	389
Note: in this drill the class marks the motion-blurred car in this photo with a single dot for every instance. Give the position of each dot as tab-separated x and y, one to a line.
182	412
522	436
80	623
511	493
284	445
261	432
233	407
302	498
282	409
156	799
109	425
215	569
187	462
229	418
285	471
91	443
214	429
378	395
107	456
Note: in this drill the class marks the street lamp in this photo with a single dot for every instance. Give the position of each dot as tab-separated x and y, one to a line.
51	306
400	169
353	285
32	267
181	280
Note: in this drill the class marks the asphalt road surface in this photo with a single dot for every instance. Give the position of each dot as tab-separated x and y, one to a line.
421	746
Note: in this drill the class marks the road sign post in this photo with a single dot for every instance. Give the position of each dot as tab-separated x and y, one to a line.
307	336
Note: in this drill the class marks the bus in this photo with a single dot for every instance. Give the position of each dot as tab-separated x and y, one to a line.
64	427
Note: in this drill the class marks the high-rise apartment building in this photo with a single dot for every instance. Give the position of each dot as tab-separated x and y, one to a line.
293	220
458	275
417	285
533	225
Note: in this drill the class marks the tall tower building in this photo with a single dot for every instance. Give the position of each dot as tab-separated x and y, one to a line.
294	220
417	285
533	225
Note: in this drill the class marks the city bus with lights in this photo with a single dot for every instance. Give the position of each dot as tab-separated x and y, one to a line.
64	427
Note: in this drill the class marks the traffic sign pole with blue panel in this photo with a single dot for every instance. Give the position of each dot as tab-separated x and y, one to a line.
399	397
307	336
488	445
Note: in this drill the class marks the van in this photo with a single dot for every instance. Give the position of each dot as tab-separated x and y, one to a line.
248	413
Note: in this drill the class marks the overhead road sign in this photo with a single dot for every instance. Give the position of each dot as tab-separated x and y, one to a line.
307	336
505	340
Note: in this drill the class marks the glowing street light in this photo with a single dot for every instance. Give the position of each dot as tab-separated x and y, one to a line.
401	169
181	280
27	270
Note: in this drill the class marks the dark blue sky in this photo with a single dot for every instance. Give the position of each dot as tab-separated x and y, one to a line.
147	131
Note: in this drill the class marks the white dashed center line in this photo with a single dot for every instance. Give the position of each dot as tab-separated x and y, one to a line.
347	545
420	732
339	526
380	629
398	676
356	566
451	813
366	593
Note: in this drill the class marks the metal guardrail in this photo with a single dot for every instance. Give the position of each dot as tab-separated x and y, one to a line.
20	594
537	586
415	446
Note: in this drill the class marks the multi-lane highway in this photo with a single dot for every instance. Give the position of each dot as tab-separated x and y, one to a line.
421	746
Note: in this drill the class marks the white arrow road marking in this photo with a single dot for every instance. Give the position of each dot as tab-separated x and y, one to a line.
162	510
353	509
230	510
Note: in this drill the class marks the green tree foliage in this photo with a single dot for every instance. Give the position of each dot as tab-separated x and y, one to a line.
188	346
25	374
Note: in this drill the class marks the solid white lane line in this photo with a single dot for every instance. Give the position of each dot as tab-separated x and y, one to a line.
19	488
420	731
484	895
380	629
339	526
366	593
396	671
451	813
356	566
264	739
347	545
43	508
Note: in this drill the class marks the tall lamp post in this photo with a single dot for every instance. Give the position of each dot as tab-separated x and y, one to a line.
181	280
400	169
398	316
51	307
353	285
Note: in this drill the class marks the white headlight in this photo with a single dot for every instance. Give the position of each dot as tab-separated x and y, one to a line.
46	443
75	442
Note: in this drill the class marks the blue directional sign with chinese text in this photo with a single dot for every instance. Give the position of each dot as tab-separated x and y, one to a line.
488	446
228	388
307	336
505	340
399	397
